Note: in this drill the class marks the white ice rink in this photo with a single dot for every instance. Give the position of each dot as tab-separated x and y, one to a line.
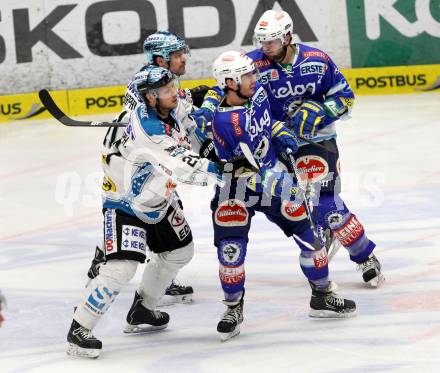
51	220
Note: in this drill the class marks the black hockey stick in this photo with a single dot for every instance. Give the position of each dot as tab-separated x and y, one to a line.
58	114
334	245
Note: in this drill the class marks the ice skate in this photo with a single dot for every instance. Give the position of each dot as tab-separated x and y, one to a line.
229	325
177	293
82	343
325	303
371	271
143	320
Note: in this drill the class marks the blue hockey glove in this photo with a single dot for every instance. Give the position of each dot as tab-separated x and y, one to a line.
306	121
283	138
212	99
274	183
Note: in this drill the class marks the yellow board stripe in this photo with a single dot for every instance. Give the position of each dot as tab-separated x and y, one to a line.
89	101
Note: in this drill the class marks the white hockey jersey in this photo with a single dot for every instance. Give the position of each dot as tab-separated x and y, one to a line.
153	155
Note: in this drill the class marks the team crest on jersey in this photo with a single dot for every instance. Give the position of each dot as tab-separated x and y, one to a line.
312	167
108	185
293	211
262	148
232	212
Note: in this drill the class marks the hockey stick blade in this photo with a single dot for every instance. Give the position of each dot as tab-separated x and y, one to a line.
249	156
58	114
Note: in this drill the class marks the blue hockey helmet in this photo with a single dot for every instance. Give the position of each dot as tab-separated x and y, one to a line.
162	44
150	78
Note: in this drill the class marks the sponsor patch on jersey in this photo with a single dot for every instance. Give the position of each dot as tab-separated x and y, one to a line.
130	102
167	129
294	90
235	120
231	275
133	239
100	299
231	213
261	63
259	96
293	211
351	231
110	243
320	259
317	54
268	76
108	185
178	223
312	167
310	68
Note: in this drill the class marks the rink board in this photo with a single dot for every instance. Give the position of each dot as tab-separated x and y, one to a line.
364	81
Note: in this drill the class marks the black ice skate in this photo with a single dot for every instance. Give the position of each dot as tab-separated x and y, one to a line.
142	320
371	271
176	293
96	263
229	325
82	343
327	304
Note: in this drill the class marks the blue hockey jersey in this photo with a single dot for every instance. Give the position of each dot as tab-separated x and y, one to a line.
251	123
311	76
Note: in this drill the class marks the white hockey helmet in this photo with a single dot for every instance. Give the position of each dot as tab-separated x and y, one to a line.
231	65
273	25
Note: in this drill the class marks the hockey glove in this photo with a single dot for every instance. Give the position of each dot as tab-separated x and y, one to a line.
235	167
212	99
273	183
306	121
207	150
283	138
198	94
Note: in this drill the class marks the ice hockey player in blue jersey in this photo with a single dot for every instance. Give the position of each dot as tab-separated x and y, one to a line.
243	116
170	51
308	91
142	209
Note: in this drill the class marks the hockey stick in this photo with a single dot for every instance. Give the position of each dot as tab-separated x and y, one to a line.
334	246
58	114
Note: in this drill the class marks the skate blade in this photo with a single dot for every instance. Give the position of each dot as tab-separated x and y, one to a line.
143	328
325	314
168	300
226	336
376	281
74	350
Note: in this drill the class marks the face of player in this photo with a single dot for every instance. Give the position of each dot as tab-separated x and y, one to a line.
167	95
177	63
272	49
247	86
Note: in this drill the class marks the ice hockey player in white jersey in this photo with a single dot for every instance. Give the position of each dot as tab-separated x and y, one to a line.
166	50
142	209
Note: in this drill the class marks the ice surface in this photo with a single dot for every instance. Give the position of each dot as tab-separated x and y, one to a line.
391	180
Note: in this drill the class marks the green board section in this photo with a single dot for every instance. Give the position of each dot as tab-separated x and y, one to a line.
394	33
